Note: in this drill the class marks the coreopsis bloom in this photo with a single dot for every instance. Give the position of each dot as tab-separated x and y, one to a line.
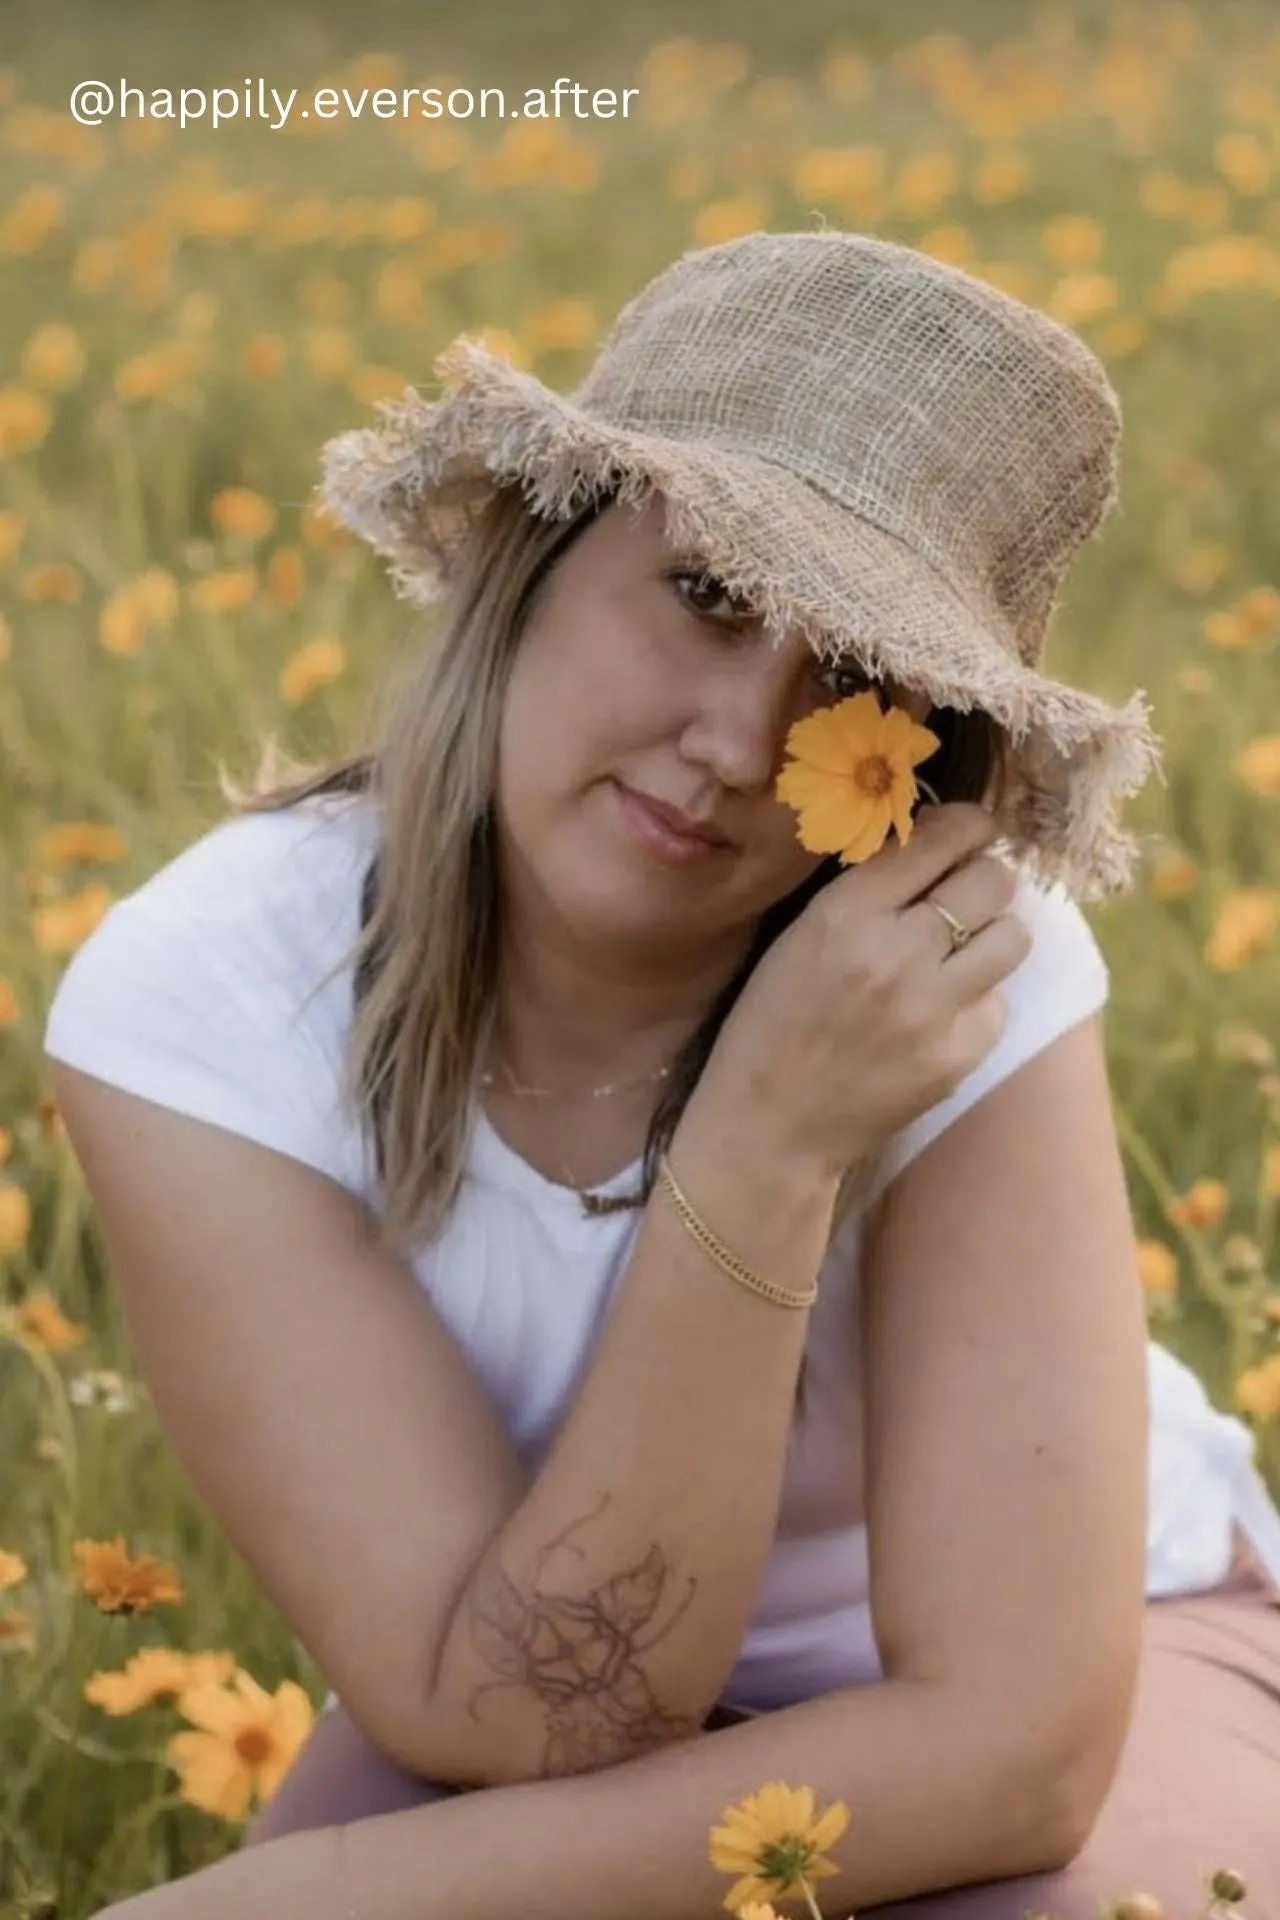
13	1569
40	1320
1258	1389
1203	1205
1157	1269
156	1674
247	1739
1246	922
119	1584
852	777
773	1842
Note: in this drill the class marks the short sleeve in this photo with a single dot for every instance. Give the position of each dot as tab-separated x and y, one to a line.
1062	980
203	991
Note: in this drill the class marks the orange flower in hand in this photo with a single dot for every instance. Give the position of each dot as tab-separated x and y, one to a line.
852	776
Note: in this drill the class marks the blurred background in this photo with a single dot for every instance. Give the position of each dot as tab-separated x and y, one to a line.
189	312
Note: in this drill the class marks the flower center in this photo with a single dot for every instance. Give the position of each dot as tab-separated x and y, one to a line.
874	775
253	1746
785	1860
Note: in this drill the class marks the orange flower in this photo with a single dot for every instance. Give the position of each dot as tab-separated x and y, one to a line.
248	1740
1271	1170
1157	1269
13	1570
1258	1389
63	925
41	1320
238	510
119	1584
75	841
851	777
15	1217
1246	922
1203	1206
17	1632
1258	765
156	1674
312	665
1173	876
773	1841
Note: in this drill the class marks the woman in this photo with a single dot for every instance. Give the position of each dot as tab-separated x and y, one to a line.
591	1541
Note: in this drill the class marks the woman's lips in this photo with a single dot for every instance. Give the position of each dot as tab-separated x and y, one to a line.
654	832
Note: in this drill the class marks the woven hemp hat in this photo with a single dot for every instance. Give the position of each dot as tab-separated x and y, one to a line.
874	448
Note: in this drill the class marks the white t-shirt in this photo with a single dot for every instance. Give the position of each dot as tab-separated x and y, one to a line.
204	990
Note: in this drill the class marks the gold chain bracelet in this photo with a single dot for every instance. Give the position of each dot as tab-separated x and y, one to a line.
781	1296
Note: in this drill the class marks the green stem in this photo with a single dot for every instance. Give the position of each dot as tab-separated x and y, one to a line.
810	1901
1223	1297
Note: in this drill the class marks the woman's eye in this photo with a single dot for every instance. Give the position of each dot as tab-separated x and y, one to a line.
702	591
843	682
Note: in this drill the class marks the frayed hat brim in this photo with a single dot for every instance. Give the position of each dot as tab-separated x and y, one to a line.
414	485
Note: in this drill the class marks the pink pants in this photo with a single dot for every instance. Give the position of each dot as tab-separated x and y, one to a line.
1198	1785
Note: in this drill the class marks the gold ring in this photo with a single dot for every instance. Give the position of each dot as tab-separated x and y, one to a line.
960	934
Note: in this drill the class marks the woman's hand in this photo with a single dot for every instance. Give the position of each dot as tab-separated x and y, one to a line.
860	1017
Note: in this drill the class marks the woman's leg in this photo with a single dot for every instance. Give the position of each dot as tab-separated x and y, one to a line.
1198	1786
339	1775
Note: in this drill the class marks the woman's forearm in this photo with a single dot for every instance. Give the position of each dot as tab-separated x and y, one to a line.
935	1798
605	1616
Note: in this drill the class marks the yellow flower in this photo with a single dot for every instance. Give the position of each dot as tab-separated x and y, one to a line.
1202	566
286	578
561	323
1202	1206
15	1218
728	220
1001	176
1157	1268
1246	922
312	665
772	1840
13	1570
25	419
240	511
1080	297
17	1633
1271	1170
1258	765
63	925
119	1584
39	1318
1258	1389
248	1740
1173	876
156	1674
53	356
225	591
852	778
264	356
80	840
1074	240
56	582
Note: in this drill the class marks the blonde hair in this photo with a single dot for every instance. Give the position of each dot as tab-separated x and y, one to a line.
426	960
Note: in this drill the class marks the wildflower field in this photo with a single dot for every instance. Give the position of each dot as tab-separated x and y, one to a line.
188	316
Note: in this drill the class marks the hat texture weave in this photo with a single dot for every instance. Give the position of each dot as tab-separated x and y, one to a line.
875	449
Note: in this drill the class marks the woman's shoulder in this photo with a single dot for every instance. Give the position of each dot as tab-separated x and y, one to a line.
278	863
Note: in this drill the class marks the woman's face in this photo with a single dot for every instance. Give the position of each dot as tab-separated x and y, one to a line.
631	672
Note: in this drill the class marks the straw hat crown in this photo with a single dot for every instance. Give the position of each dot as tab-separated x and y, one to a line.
871	447
908	392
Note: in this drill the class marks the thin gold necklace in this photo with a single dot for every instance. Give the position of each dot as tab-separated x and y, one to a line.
552	1093
593	1204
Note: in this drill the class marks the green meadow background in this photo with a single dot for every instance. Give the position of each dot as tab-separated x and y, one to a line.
187	315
